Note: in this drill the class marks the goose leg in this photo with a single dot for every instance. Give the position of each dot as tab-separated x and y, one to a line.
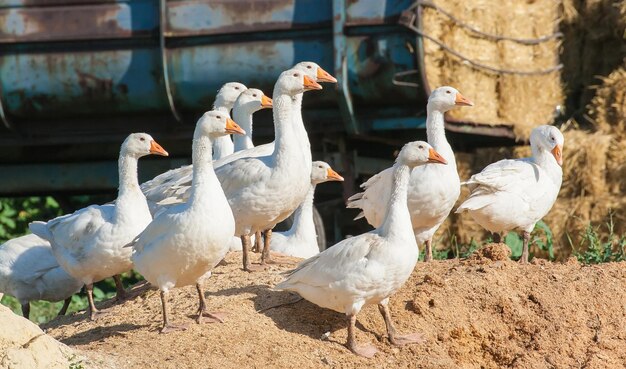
428	251
66	304
368	350
265	256
26	310
245	247
213	317
258	239
93	312
394	338
526	238
167	327
119	287
497	237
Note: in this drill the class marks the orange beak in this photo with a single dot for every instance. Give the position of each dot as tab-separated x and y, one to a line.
324	76
233	128
462	101
558	154
266	102
434	157
310	84
156	149
333	176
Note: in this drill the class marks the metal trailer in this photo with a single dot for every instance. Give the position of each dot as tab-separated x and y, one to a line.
77	76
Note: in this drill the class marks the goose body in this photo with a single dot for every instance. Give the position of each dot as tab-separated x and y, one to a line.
89	243
301	239
368	268
515	194
186	241
29	272
432	189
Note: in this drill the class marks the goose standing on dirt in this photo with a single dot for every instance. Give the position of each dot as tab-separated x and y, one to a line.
29	272
301	240
368	268
224	101
89	244
514	194
265	190
433	189
188	240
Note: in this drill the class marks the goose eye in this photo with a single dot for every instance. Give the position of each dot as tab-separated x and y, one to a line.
254	95
236	88
142	139
296	75
421	147
219	117
308	67
448	92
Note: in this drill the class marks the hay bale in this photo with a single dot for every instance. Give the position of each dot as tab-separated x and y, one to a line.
607	109
521	101
585	158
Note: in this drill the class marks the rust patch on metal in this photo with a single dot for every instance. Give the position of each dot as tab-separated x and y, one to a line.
93	86
240	16
59	23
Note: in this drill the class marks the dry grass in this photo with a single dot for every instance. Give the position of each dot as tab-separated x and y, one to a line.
521	101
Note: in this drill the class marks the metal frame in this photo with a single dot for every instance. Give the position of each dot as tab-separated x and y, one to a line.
163	49
341	67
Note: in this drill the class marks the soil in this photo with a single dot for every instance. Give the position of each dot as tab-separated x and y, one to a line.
474	313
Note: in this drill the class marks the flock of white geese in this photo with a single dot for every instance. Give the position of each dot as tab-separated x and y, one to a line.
177	227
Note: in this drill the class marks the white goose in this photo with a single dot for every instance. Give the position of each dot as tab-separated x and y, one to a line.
433	189
186	241
89	244
224	101
301	240
515	194
368	268
29	272
264	191
248	103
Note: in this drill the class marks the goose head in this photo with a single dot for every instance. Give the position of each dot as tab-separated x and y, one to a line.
548	138
215	124
293	82
445	98
252	100
322	172
419	153
315	71
141	144
228	94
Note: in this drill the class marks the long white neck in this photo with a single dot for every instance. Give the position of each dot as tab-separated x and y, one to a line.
296	105
128	190
546	160
436	134
303	227
223	145
287	140
244	119
203	174
397	221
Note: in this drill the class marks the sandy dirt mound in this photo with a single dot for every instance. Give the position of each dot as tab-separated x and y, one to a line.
474	314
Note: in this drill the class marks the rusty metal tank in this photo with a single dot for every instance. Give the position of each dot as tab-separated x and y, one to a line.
76	76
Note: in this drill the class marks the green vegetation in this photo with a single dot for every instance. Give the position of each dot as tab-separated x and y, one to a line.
593	249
